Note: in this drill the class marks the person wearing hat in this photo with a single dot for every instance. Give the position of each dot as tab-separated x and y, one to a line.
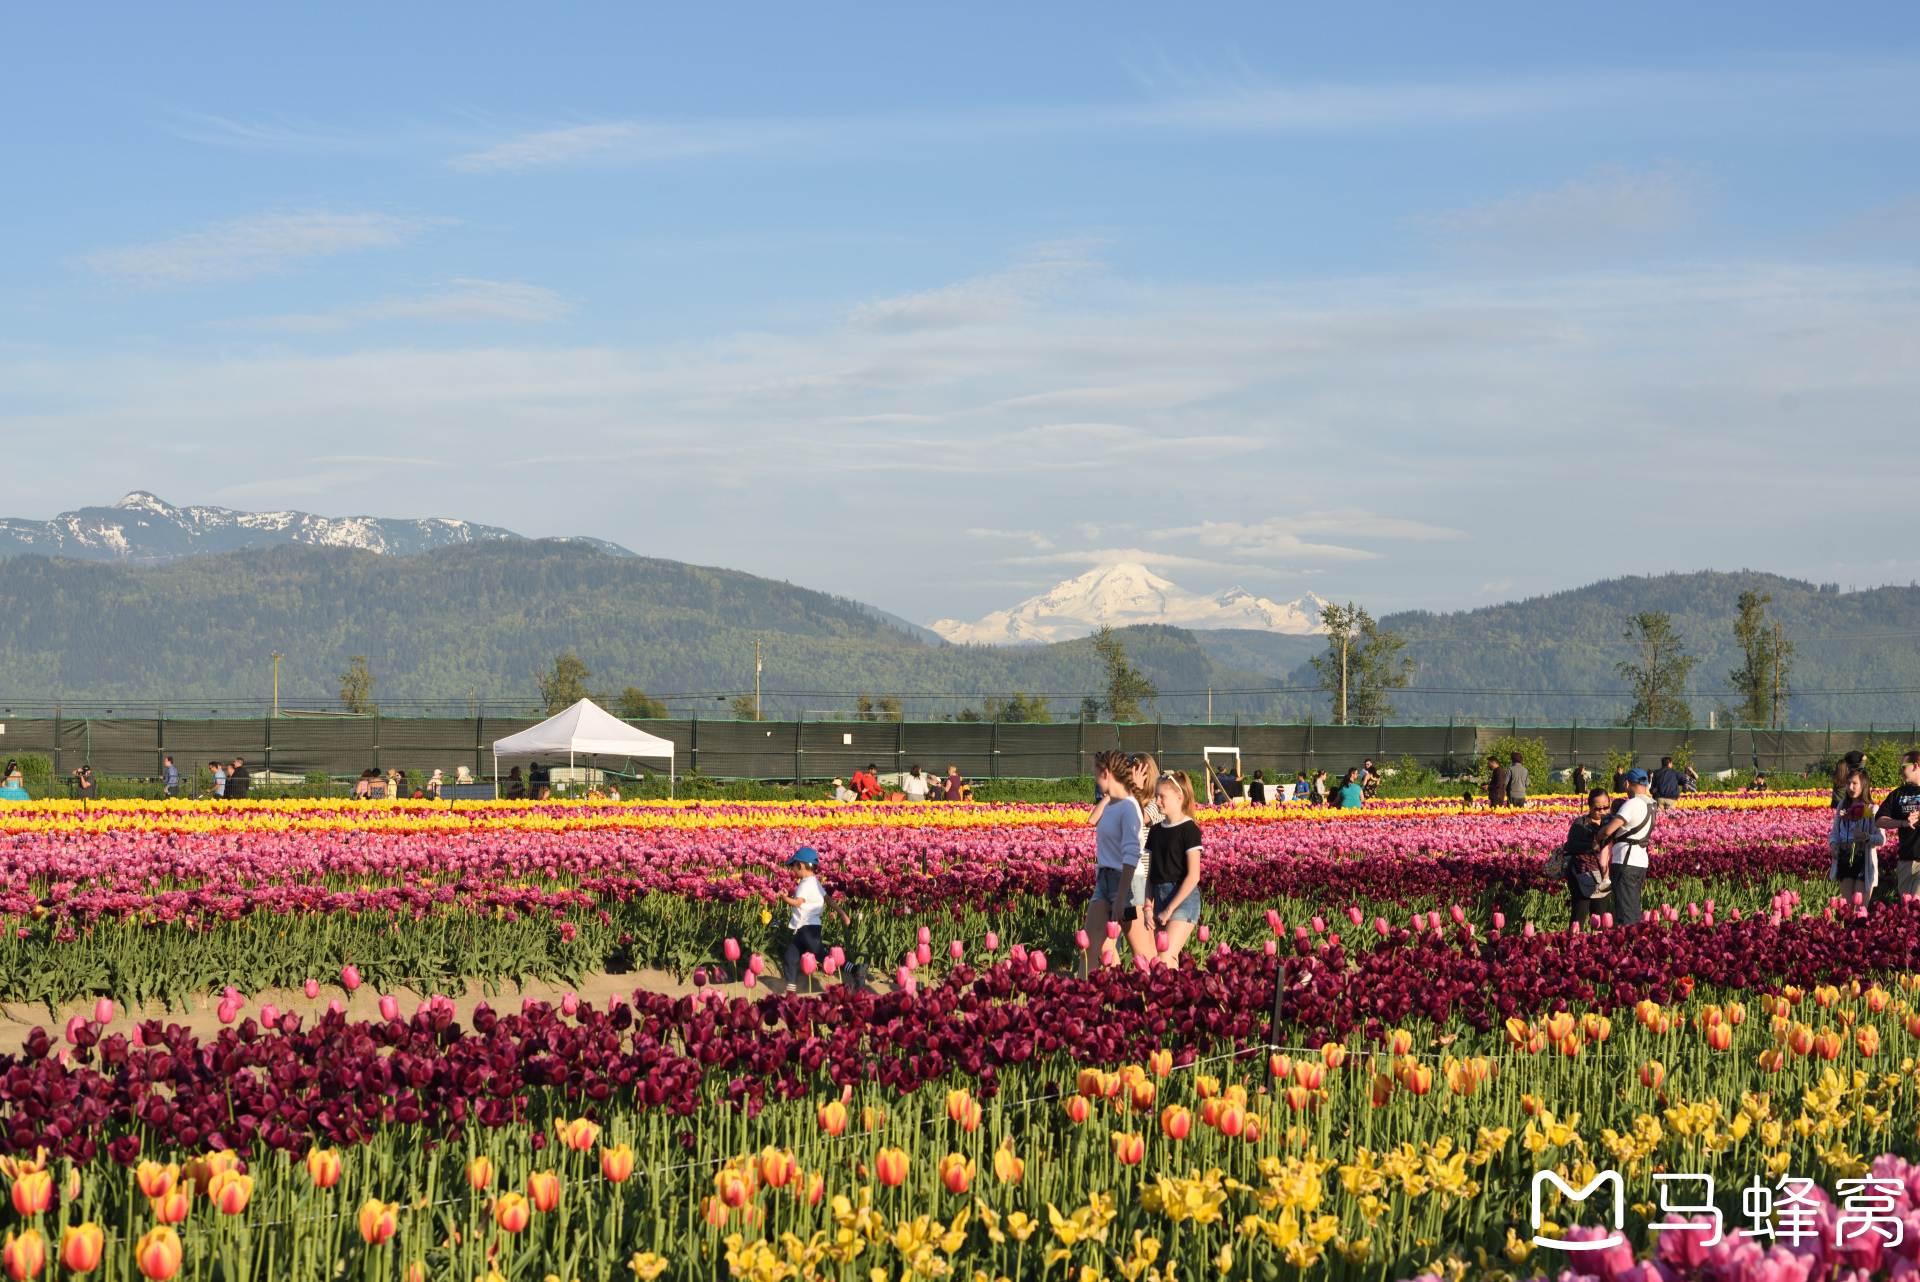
841	792
809	904
1627	830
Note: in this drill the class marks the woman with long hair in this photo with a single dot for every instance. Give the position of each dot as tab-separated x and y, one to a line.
1854	841
1116	825
1587	881
1173	848
1143	777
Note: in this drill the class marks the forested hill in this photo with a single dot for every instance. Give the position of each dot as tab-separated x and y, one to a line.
434	626
1570	641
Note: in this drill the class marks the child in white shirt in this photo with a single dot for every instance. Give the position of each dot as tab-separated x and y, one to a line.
809	903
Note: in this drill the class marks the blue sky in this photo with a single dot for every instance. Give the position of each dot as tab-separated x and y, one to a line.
1419	305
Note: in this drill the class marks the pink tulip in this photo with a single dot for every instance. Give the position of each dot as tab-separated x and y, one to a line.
1354	915
349	977
924	936
956	950
74	1026
756	965
139	1038
1693	910
1273	920
569	1005
836	956
1499	920
269	1014
1038	960
1735	912
1527	930
103	1011
389	1008
1709	905
731	949
807	964
312	989
1204	933
1459	914
225	1012
1606	919
749	979
911	959
335	1008
1160	940
911	986
1080	938
991	942
902	977
1019	953
1419	922
1319	926
1140	963
1857	899
1272	948
1380	926
1113	930
1333	940
924	952
829	965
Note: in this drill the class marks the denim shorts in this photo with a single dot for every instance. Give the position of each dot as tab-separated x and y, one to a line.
1106	885
1164	909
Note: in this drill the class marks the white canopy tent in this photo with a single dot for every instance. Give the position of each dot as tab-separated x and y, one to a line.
584	730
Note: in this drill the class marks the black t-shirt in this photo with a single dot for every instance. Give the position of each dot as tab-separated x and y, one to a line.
1901	802
1168	847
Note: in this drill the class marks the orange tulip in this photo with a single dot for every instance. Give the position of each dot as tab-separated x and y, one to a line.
1142	1096
1518	1030
1161	1062
969	1118
1418	1079
1652	1073
1536	1042
1237	1093
378	1221
1597	1027
1299	1098
323	1167
1827	1044
1877	999
1531	1105
416	1272
1570	1044
890	1167
712	1210
1399	1042
1913	1025
873	1118
1736	1014
1007	1168
777	1168
24	1256
1310	1076
956	1173
158	1254
1561	1026
1460	1078
543	1190
1800	1040
1333	1055
230	1191
616	1163
1279	1065
512	1213
1867	1039
1088	1082
1176	1123
480	1172
1079	1108
33	1192
957	1101
1210	1111
1130	1149
1774	1060
173	1207
579	1135
1230	1120
1382	1090
807	1187
81	1246
1720	1036
1207	1087
833	1117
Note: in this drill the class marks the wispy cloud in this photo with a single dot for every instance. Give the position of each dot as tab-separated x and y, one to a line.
984	299
1280	535
257	246
613	140
1606	207
462	301
1153	558
1040	541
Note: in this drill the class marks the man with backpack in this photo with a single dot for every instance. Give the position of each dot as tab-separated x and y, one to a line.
1627	830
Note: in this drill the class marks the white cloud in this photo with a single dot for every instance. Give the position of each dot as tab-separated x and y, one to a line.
626	140
1279	535
1606	207
462	301
257	246
984	300
1040	541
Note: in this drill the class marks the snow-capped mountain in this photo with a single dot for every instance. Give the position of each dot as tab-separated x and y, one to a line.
1119	595
144	530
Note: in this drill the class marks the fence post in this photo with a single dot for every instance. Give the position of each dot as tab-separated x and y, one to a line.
993	745
799	733
1573	741
479	747
1310	757
56	741
1159	736
269	720
376	736
1633	754
160	737
1080	747
693	749
900	744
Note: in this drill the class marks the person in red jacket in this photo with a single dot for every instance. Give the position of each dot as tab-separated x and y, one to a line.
866	784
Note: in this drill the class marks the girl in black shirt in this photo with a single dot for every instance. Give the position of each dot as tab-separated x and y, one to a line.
1174	857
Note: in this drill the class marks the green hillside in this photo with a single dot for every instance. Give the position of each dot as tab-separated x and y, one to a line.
1864	642
197	633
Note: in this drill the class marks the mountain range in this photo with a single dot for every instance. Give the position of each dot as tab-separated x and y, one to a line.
132	610
1126	594
142	529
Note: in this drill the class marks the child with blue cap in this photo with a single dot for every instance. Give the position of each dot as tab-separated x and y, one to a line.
809	904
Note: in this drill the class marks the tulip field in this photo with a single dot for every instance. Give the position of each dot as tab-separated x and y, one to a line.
1383	1031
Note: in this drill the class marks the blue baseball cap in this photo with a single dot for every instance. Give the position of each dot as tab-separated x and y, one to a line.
806	855
1636	776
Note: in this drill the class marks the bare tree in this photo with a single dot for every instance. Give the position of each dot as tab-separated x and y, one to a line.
1658	674
356	686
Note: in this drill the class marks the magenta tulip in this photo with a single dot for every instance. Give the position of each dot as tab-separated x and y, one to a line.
807	964
1080	938
1038	960
349	977
103	1011
569	1005
991	942
269	1014
924	952
956	950
924	935
389	1007
1204	933
312	989
732	950
699	977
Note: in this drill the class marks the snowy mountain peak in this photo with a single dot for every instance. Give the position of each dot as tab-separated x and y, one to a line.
144	529
1129	593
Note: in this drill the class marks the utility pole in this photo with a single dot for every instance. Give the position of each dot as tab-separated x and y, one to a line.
1777	642
277	656
756	681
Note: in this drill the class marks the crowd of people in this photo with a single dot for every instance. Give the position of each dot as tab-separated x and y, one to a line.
915	785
